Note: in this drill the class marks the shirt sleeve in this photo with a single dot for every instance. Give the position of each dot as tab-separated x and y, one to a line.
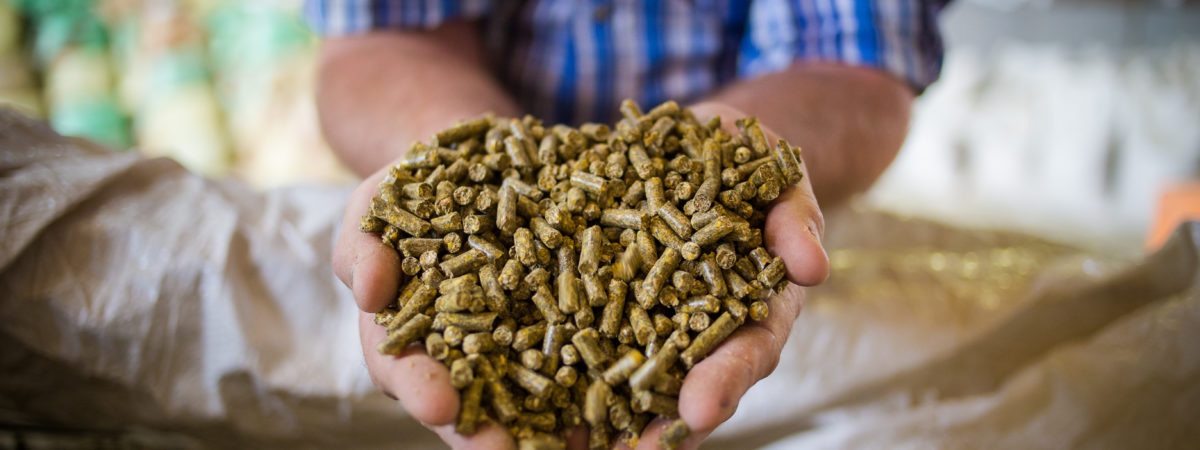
899	37
343	17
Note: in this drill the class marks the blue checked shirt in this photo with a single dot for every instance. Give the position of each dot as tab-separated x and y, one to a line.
572	61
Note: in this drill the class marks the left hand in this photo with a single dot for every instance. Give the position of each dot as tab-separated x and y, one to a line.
713	388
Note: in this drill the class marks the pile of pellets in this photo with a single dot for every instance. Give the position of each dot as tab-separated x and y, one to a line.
569	276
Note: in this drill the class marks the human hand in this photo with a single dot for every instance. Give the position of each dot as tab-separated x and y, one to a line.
371	270
712	389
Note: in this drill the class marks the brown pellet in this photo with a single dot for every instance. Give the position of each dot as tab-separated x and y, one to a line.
461	373
435	346
529	336
773	273
586	341
408	333
655	366
531	381
707	340
675	219
758	311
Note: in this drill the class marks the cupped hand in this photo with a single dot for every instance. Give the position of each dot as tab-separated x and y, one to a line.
422	385
712	389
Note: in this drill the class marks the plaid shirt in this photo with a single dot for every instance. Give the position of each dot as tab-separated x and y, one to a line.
574	60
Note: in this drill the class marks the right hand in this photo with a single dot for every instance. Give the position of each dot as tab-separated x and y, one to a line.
422	385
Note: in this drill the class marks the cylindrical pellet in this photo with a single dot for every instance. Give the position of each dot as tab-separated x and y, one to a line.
662	269
467	321
504	332
422	298
493	293
628	263
529	337
590	183
758	311
461	373
675	219
655	194
464	262
643	327
788	162
546	233
610	318
589	251
491	250
725	256
408	333
701	304
511	274
530	381
569	301
620	369
435	346
586	341
698	321
773	273
566	376
595	407
546	303
470	412
593	287
707	340
506	210
647	375
478	343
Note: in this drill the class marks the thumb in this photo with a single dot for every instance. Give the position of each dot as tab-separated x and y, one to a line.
793	232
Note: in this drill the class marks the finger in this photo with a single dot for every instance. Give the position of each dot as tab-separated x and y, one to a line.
654	430
793	231
421	383
713	388
487	437
370	268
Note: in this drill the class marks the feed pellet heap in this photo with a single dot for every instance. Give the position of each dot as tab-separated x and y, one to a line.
574	275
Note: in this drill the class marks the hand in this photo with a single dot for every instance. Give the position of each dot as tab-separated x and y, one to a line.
371	270
713	388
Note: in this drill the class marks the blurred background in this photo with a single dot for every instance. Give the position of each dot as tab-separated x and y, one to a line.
979	291
1063	118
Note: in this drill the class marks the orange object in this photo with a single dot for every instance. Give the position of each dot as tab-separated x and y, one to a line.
1177	203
